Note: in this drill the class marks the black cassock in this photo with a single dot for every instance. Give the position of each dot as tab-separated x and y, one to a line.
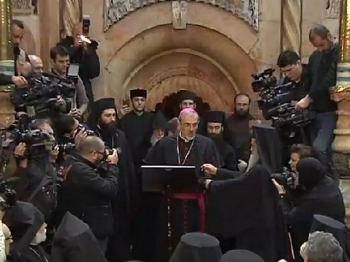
228	155
186	215
125	201
74	242
245	210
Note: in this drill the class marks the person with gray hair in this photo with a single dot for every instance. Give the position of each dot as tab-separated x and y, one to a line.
322	247
91	188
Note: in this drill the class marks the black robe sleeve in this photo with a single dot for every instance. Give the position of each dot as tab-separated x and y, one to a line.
223	174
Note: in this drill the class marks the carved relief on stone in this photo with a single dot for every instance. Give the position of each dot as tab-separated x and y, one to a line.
115	10
333	8
24	7
179	9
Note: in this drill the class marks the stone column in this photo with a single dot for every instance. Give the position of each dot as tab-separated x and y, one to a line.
291	25
341	95
7	63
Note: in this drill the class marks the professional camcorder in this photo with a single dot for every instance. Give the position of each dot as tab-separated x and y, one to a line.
287	115
43	92
276	100
7	193
21	131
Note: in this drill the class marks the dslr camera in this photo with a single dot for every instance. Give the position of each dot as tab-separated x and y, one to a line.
276	101
285	178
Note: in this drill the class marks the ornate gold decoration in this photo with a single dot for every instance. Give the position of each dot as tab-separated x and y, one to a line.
7	63
291	32
71	16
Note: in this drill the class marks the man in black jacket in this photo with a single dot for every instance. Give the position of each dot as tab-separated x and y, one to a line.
321	76
87	191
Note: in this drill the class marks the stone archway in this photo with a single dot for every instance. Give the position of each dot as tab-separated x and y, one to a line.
209	57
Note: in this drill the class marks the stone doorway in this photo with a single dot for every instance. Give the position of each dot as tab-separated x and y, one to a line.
211	57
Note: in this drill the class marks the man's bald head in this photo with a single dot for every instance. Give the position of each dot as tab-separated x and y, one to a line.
37	65
188	112
90	144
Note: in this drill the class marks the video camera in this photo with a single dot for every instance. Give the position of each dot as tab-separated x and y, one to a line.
7	193
43	92
276	100
21	131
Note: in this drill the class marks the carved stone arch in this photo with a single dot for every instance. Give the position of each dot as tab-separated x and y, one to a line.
225	41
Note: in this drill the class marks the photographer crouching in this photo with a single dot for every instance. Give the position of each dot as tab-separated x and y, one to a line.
317	194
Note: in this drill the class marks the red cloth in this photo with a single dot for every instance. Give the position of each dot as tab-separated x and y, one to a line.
201	203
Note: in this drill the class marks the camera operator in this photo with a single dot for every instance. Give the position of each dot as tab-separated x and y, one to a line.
37	66
60	63
39	179
82	51
294	72
91	188
321	195
320	77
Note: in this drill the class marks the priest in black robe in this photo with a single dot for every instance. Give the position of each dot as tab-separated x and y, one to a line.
137	126
75	242
214	126
244	209
28	229
188	209
102	120
161	127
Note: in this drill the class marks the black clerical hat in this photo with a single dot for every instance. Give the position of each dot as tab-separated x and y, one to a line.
329	225
103	104
269	147
74	241
25	220
215	117
138	93
186	95
197	247
160	121
240	255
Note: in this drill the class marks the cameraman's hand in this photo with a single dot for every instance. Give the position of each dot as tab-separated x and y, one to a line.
303	103
54	153
19	81
75	112
78	136
209	169
60	101
281	190
20	150
113	159
242	165
207	183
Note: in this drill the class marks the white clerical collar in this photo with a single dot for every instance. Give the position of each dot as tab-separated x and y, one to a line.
186	139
